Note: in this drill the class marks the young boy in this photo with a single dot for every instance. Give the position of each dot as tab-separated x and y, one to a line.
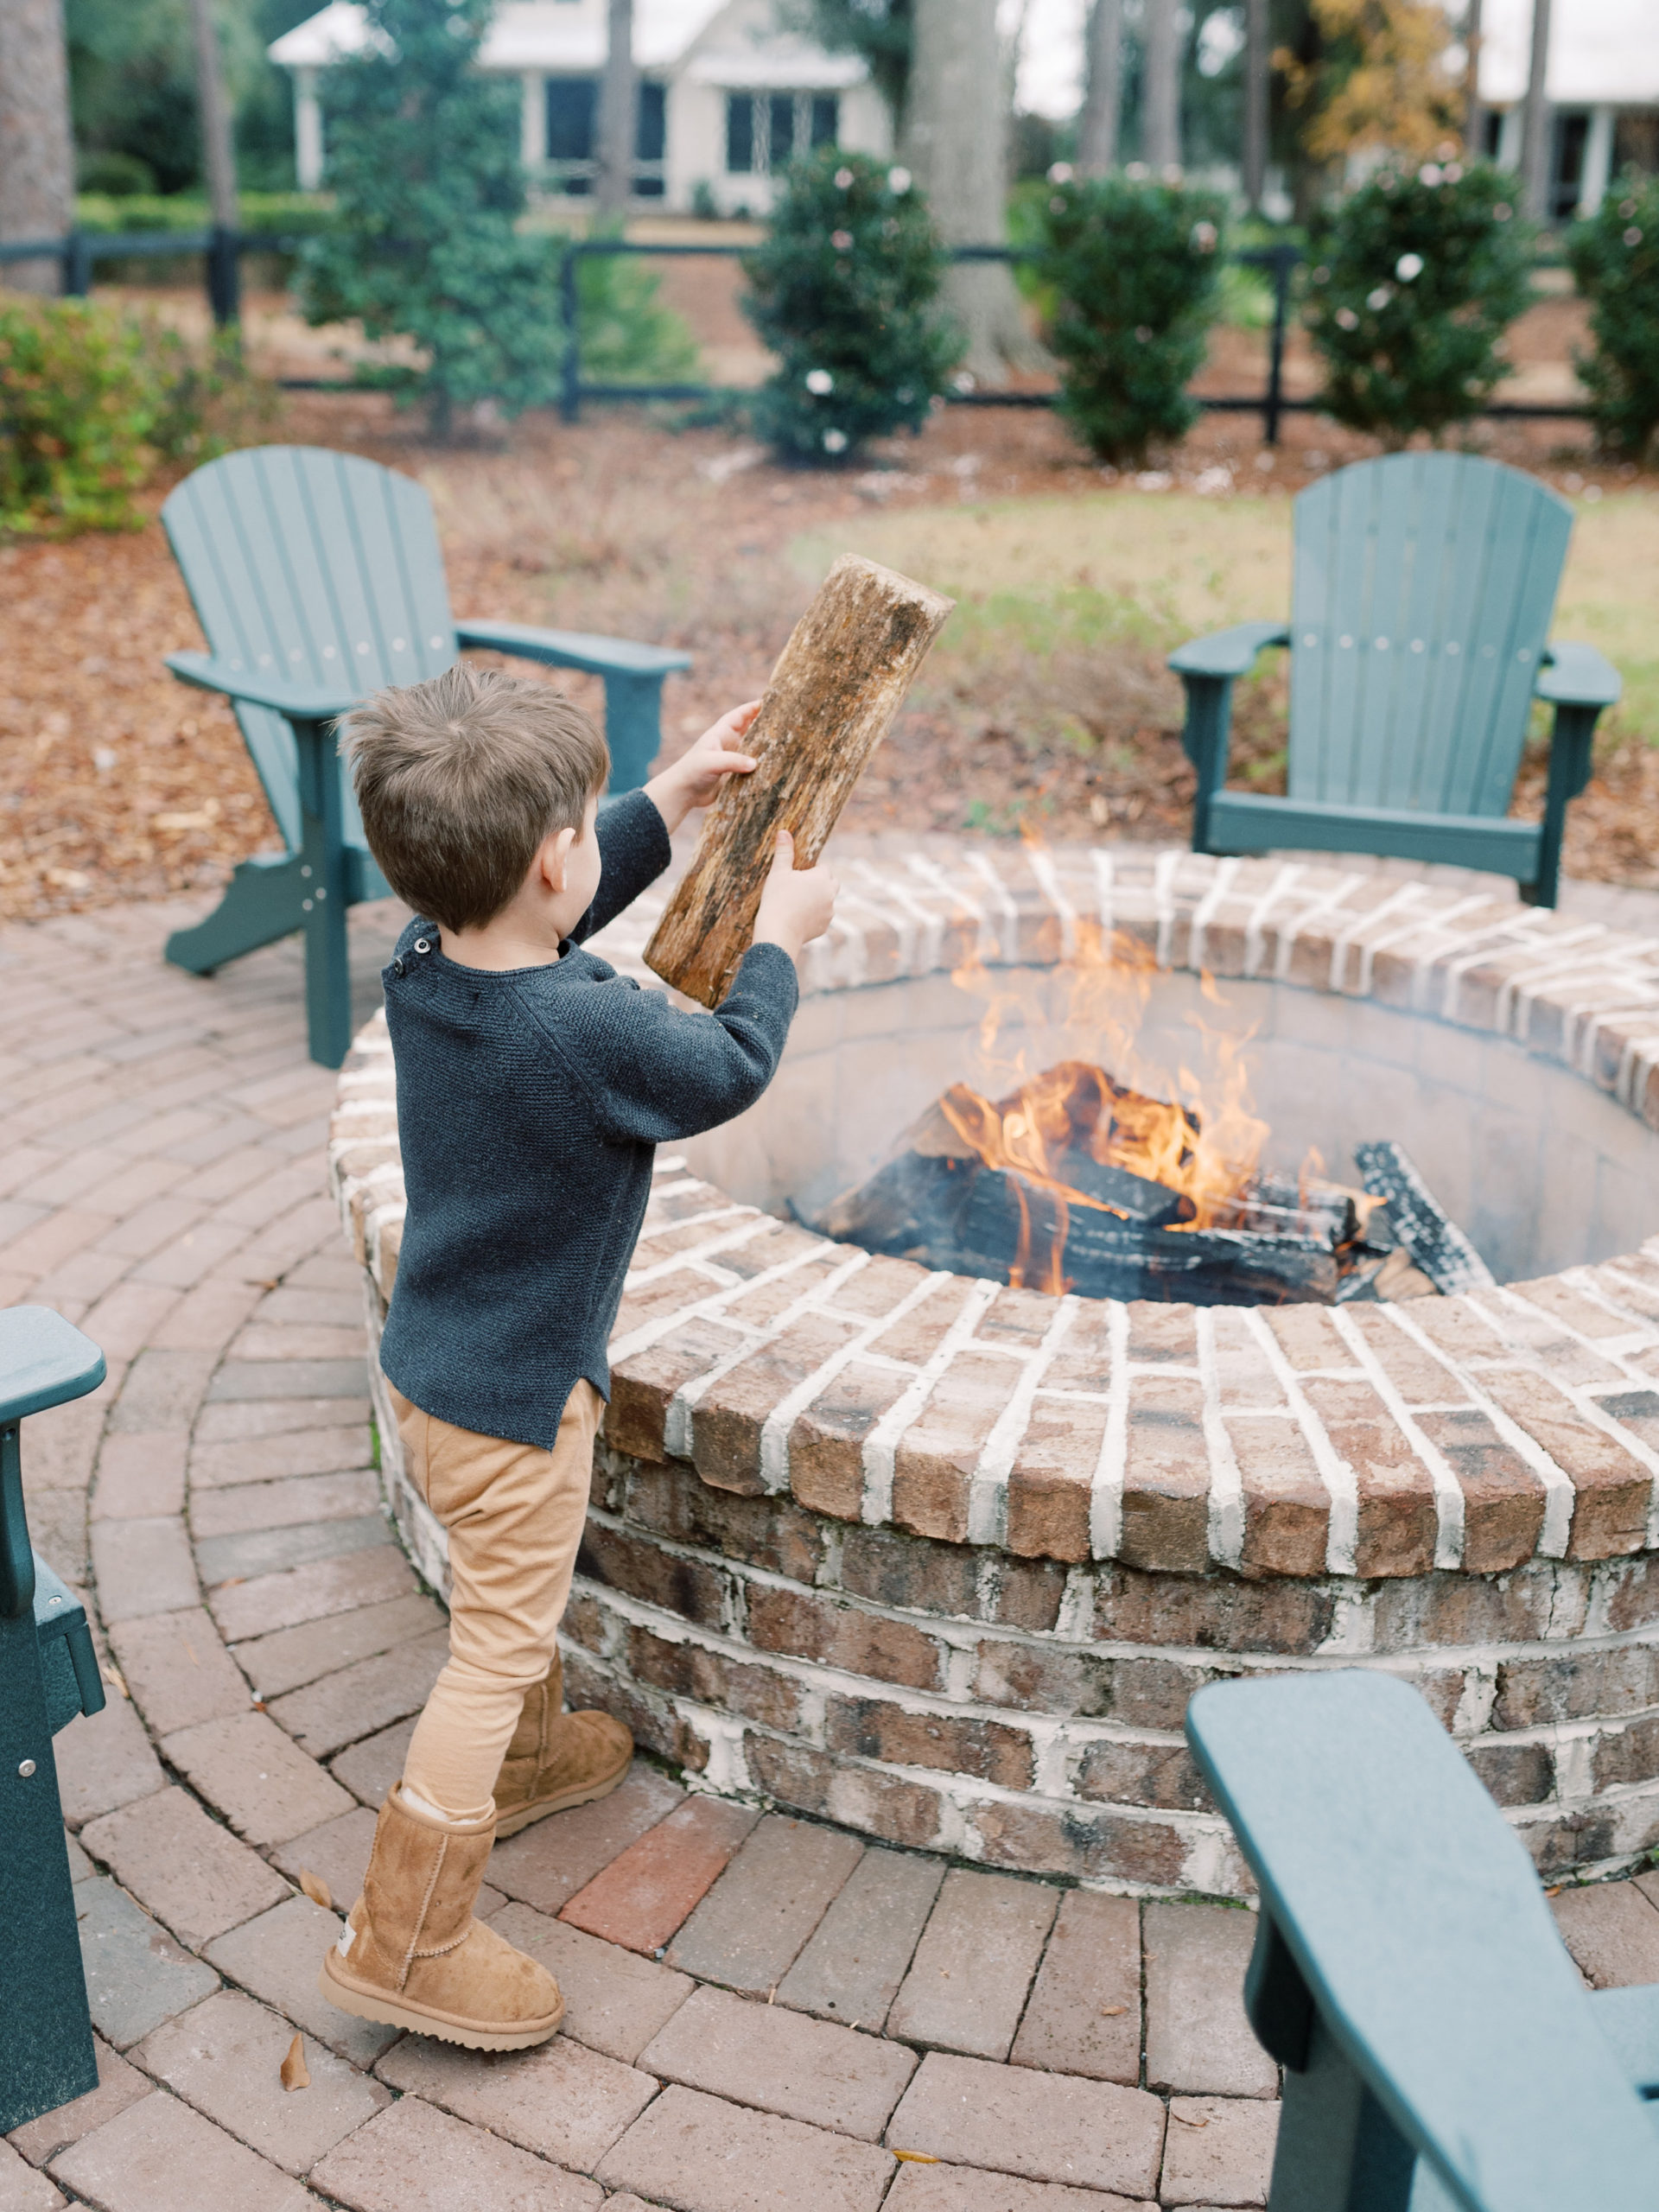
533	1082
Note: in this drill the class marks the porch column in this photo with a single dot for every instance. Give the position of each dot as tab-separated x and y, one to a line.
308	131
1598	161
532	125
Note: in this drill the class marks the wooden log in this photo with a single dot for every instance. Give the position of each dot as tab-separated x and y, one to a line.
837	686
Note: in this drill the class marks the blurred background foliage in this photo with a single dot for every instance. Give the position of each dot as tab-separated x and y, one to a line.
133	93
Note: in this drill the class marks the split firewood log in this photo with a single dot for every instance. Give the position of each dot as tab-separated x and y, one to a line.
837	686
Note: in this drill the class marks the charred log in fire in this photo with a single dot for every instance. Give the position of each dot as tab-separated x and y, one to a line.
1076	1183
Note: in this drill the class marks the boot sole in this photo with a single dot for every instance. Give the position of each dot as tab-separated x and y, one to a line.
508	1824
367	2004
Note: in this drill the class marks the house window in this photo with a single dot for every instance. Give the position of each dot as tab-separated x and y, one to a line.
572	108
765	131
573	135
649	140
1571	130
740	133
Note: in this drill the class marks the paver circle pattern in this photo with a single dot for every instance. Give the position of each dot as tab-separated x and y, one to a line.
763	2011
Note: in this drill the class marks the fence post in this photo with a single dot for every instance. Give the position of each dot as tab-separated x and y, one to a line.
76	266
1284	260
570	397
224	275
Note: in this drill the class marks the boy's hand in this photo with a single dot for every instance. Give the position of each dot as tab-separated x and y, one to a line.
797	904
697	775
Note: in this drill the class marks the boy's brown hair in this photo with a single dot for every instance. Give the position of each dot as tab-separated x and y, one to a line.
460	779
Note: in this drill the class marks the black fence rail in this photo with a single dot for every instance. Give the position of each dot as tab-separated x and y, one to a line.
222	249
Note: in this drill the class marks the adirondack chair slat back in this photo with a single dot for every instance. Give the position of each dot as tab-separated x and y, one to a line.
318	566
1421	598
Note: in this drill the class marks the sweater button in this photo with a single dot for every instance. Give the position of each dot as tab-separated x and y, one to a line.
421	946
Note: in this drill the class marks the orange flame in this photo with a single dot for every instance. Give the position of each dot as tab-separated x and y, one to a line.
1203	1142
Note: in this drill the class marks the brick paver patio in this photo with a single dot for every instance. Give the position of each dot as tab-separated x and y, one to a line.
763	2011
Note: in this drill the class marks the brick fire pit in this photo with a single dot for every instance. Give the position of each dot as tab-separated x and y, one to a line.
943	1560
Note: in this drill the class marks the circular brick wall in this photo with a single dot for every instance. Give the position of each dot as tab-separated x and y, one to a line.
943	1560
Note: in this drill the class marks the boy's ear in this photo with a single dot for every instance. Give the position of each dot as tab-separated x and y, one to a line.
555	856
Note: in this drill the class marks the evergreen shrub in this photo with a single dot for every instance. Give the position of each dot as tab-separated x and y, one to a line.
1615	259
1129	274
423	166
93	400
845	292
1415	278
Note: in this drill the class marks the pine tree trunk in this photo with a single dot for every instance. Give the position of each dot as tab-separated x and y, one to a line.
1474	115
955	144
214	107
618	98
1104	95
1255	166
1160	113
1535	120
837	686
37	159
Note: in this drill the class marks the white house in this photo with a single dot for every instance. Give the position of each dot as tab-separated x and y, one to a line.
727	95
1602	82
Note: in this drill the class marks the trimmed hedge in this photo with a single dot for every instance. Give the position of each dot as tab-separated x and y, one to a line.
1130	273
1416	278
845	292
1615	259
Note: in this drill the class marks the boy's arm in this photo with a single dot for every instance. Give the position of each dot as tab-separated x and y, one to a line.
634	850
656	1075
633	830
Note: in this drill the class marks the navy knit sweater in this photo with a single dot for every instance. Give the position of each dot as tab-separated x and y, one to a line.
529	1102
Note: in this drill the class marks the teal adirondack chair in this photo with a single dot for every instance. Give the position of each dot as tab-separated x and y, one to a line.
317	579
1421	602
48	1674
1440	2047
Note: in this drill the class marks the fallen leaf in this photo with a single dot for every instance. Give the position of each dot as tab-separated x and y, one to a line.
1556	1891
202	817
1113	2012
915	2158
112	1674
316	1889
294	2074
1185	2122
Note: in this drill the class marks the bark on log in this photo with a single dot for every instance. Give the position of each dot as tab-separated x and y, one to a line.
837	686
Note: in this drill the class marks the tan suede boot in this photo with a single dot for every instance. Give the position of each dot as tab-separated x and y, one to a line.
557	1759
413	1956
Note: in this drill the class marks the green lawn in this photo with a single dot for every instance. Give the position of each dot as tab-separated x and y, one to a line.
1146	569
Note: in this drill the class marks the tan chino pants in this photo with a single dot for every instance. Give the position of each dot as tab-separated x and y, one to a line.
514	1513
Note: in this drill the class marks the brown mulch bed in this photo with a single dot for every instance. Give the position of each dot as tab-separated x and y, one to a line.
116	783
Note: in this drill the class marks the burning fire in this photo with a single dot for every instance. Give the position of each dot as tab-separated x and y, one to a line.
1203	1143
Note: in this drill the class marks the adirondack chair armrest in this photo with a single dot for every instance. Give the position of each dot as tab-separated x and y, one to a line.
1577	676
1228	652
1407	1972
572	649
1579	682
300	703
1209	667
